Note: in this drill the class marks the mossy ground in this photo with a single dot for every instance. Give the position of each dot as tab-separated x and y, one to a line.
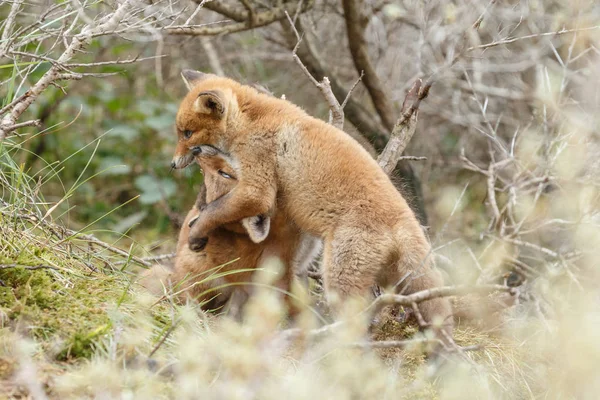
80	319
56	294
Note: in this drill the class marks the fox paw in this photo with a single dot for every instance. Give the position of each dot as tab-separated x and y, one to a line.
193	221
197	244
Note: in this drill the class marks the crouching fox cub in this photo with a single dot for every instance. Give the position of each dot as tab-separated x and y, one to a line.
206	271
324	181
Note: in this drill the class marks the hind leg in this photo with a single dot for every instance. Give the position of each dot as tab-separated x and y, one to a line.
352	261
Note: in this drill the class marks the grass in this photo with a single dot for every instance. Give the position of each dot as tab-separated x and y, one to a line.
75	324
89	332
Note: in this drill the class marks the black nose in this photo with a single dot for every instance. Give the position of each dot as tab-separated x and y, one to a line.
173	164
196	150
197	244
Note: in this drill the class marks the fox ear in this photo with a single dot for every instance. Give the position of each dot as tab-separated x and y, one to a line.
257	227
191	77
210	102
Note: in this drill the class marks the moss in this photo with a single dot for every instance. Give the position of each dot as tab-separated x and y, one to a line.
81	344
70	309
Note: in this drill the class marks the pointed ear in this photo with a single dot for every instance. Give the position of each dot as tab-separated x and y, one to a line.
191	77
211	102
257	227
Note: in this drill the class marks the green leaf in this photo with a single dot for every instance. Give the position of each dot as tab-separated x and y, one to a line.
124	132
152	189
114	166
160	122
126	223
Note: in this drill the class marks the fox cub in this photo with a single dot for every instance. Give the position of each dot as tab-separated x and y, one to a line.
206	272
316	175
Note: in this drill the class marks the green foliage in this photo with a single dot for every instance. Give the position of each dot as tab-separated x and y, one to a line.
153	190
114	129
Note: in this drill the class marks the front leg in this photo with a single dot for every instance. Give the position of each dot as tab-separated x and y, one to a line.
242	202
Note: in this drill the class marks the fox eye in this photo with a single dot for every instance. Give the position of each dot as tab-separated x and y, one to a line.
187	133
225	174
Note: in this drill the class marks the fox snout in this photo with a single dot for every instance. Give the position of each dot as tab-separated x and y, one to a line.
179	162
185	160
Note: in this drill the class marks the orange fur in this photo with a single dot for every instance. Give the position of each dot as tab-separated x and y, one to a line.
316	175
195	272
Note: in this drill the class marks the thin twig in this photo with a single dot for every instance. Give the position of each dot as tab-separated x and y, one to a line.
336	110
163	339
532	36
28	267
160	257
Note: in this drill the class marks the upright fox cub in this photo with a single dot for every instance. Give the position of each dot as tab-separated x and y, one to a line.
323	180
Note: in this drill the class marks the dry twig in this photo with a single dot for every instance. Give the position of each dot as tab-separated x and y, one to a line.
9	122
355	27
336	112
405	127
68	234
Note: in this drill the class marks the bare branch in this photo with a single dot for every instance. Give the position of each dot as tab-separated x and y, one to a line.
113	62
353	110
532	36
336	112
28	267
424	295
235	13
355	26
251	13
33	122
403	300
7	31
260	19
352	89
78	42
405	128
412	158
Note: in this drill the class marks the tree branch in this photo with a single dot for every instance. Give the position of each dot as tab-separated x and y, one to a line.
354	111
27	267
424	295
355	27
336	112
6	32
259	19
405	127
79	41
235	13
402	300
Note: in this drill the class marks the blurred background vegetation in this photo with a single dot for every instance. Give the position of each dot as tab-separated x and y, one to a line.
510	183
118	128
